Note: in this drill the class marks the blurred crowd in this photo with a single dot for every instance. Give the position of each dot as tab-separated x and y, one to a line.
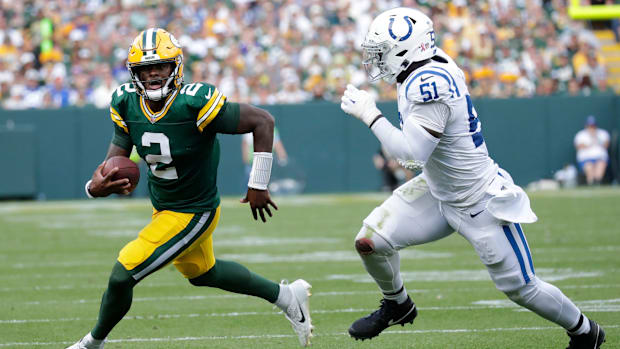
72	52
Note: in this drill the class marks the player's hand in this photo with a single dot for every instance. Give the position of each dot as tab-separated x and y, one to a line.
360	104
101	185
259	200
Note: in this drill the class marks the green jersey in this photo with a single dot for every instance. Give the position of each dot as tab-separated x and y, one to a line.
178	142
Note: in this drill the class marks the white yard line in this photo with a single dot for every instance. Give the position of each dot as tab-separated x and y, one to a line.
466	275
319	256
174	284
273	336
204	297
103	284
598	305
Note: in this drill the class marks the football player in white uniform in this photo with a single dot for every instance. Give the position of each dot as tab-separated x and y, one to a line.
460	189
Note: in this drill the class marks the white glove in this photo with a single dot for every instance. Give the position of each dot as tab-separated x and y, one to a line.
360	104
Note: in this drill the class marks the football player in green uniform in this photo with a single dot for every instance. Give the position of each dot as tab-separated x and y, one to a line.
173	127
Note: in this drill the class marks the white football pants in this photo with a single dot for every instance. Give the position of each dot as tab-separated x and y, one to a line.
412	216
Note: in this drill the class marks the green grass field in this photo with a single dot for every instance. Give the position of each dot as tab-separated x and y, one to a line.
55	258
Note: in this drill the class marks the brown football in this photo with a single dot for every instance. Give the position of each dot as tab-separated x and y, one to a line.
126	169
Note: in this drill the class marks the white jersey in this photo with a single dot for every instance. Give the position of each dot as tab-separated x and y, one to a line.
593	145
459	170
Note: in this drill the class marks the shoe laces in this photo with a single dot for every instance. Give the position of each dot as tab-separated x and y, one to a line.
383	311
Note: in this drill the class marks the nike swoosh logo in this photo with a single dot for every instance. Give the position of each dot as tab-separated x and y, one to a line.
473	215
303	318
394	322
425	78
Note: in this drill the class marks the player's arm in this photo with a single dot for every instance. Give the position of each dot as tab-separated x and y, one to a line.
244	118
219	115
261	124
101	185
413	142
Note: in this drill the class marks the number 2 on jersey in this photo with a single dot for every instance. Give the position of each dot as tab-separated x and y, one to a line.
165	158
191	89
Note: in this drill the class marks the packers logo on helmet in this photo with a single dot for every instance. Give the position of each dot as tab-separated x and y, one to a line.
155	46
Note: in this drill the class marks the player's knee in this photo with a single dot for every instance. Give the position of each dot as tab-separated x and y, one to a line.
515	296
364	246
207	279
368	242
523	294
120	278
197	281
507	280
190	270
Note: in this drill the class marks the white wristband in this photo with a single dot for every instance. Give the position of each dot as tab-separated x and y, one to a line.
261	170
87	191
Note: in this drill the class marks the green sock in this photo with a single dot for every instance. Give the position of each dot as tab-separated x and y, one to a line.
234	277
116	301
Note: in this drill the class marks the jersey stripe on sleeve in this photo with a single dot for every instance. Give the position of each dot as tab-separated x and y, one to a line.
437	71
118	120
210	110
456	88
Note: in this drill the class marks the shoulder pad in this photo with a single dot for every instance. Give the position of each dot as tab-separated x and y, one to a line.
118	104
122	92
196	90
431	84
197	94
205	99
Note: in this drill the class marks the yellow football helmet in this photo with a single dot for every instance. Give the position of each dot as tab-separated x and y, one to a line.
156	46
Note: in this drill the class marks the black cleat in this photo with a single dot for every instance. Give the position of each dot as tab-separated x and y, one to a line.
590	340
389	314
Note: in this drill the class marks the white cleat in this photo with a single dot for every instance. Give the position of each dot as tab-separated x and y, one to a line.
88	342
298	311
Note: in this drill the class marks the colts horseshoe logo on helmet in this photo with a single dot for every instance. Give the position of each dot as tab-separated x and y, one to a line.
410	23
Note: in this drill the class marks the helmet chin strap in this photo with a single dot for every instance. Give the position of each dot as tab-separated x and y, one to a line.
157	95
160	93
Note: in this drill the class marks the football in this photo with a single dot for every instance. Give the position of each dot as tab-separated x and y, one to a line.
126	169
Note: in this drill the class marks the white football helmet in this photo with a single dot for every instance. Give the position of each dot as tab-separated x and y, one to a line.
395	39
